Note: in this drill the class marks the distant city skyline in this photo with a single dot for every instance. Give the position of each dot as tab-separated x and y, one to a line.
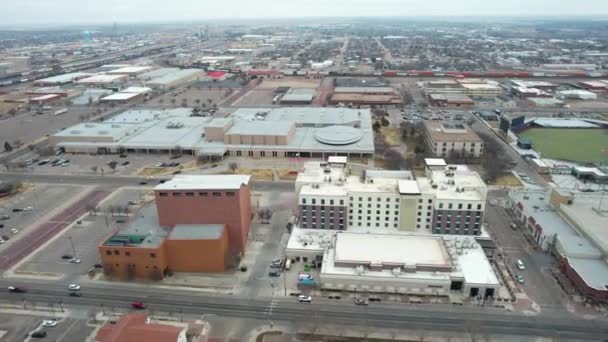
33	12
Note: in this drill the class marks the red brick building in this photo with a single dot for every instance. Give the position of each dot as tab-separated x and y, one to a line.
135	327
212	199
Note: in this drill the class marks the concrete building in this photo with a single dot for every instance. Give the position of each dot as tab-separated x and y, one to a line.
365	96
444	139
482	89
137	327
572	227
450	100
298	97
395	263
542	85
449	200
576	94
103	80
61	79
174	79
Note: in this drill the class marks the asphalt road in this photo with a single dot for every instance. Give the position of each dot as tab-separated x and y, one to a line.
445	318
119	181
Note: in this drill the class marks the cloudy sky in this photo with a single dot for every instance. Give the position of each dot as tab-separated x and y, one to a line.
84	11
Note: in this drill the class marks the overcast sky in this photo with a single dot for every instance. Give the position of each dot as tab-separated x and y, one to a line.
83	11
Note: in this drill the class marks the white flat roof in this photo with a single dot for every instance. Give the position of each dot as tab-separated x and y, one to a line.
65	78
205	182
337	159
120	97
434	162
138	90
391	249
101	79
408	187
130	70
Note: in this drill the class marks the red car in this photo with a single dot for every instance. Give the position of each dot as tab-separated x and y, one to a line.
138	305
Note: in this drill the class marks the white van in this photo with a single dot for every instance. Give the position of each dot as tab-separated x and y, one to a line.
288	264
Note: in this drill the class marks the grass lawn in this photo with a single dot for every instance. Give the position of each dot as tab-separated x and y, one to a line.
582	145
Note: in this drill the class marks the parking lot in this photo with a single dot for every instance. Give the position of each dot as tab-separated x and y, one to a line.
19	327
80	241
42	198
256	97
130	164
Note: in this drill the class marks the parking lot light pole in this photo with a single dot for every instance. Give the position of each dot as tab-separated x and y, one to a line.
73	249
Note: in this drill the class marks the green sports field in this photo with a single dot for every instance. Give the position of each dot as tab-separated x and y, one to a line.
575	144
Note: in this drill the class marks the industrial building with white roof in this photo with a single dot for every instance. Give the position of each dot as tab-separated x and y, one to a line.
253	132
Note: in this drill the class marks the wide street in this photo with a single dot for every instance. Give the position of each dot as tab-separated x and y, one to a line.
478	320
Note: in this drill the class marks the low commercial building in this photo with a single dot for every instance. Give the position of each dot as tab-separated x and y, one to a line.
396	263
444	138
173	235
577	94
298	97
174	79
482	89
450	100
450	199
61	79
525	93
570	226
103	80
44	99
137	327
542	85
594	85
130	70
365	96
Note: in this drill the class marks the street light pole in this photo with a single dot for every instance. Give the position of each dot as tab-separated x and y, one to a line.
73	249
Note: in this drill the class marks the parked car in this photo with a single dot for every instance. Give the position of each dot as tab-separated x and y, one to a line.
520	265
143	183
49	323
138	305
38	334
519	278
493	202
75	261
4	217
74	287
513	226
98	266
274	273
1	226
125	163
14	231
304	299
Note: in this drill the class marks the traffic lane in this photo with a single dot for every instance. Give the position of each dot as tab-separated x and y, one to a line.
376	317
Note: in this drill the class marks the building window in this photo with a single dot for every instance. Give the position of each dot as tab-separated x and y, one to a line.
116	252
314	201
108	252
177	194
152	255
420	200
274	154
469	206
128	253
331	202
479	207
250	153
396	213
341	202
203	193
263	153
459	205
377	212
217	194
238	153
387	213
163	194
230	194
440	205
189	194
430	201
449	205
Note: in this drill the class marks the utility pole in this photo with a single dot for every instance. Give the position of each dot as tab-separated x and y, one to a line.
73	249
285	283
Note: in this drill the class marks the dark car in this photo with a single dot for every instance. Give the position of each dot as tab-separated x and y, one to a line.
67	256
1	225
16	210
75	294
98	266
143	183
6	237
177	172
39	334
16	289
274	273
126	163
122	155
138	305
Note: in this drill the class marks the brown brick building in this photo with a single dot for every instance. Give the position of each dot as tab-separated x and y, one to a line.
199	224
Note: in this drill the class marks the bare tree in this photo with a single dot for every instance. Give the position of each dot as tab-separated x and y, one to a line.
112	165
265	214
233	166
393	160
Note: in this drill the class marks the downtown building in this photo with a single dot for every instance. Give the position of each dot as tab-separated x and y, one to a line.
196	224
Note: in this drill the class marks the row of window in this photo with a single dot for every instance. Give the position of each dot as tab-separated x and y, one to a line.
262	153
202	193
460	206
369	212
127	253
369	199
369	205
323	202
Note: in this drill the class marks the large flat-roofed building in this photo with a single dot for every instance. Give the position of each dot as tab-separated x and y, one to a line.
481	89
138	327
445	138
365	96
397	262
450	199
450	100
101	80
252	132
572	227
213	199
61	79
542	85
130	70
174	78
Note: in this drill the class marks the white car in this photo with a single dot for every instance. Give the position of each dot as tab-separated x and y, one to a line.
28	209
14	231
49	323
1	241
520	265
520	278
493	202
75	261
74	287
304	299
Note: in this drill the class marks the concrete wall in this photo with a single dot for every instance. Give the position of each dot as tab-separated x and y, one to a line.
407	217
